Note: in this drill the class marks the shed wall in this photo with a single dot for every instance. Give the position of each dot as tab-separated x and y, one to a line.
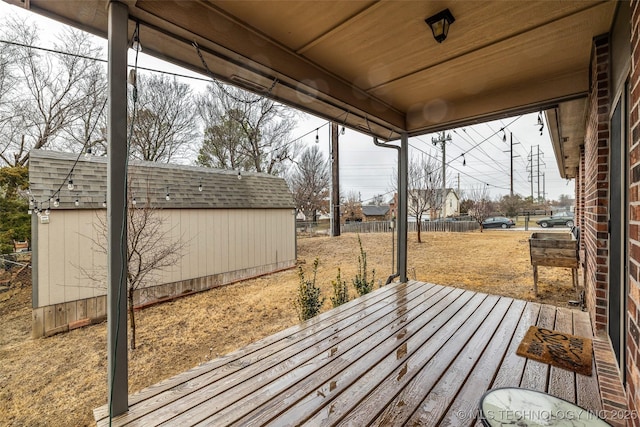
220	246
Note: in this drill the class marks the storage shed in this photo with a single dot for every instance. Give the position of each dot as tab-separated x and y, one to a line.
231	227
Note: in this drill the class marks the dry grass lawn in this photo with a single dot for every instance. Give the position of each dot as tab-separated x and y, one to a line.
59	380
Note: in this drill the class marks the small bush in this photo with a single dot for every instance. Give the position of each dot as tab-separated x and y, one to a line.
362	285
340	291
308	301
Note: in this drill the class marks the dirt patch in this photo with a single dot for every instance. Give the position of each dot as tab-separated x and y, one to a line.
61	379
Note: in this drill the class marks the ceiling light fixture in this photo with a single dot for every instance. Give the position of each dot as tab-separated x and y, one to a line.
440	23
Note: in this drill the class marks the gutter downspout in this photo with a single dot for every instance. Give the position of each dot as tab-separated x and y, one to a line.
403	160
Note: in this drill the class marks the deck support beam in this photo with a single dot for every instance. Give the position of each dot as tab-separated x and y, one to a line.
403	195
117	364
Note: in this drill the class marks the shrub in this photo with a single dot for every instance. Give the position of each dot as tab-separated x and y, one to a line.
340	291
308	301
362	285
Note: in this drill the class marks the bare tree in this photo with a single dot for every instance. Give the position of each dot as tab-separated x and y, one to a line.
352	207
7	80
377	200
482	204
164	119
50	98
89	130
150	249
424	183
424	187
309	182
7	92
245	131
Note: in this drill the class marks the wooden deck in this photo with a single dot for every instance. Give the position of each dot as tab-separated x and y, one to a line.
414	353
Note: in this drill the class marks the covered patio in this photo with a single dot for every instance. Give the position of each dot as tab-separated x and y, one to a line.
410	353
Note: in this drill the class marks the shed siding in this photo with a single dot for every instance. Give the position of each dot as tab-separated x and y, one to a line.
216	241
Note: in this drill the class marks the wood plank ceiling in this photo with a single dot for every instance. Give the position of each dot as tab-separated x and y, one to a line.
374	65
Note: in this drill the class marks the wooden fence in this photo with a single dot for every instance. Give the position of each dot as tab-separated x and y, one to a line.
385	226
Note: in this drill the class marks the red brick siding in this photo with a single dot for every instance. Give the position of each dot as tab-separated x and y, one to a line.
579	208
595	185
633	299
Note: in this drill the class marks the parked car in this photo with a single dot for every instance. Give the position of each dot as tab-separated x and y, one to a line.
497	222
561	218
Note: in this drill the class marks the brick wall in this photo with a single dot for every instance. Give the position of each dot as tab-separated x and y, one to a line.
596	186
633	375
579	203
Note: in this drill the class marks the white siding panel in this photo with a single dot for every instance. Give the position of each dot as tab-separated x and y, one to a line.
269	235
203	237
219	249
176	233
215	242
99	256
247	239
211	249
85	257
44	281
260	229
235	262
57	255
225	231
72	252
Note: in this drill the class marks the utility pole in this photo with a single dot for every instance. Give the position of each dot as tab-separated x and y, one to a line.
544	187
538	168
511	157
335	181
443	139
530	169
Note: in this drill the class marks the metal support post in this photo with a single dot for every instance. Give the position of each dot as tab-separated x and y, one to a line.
403	205
335	180
118	393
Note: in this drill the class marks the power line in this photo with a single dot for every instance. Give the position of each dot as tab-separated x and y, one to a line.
91	58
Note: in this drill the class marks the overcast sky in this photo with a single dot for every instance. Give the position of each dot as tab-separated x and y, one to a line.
368	169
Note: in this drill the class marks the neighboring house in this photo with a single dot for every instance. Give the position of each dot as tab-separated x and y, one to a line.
450	207
436	209
232	230
375	213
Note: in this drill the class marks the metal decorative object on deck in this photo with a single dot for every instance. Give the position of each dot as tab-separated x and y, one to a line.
527	408
558	349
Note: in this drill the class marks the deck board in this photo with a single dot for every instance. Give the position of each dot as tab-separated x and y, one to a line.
463	408
561	381
414	354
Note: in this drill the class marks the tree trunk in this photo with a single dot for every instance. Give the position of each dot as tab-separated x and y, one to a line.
419	226
132	320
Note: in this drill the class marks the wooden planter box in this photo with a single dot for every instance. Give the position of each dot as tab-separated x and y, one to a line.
553	250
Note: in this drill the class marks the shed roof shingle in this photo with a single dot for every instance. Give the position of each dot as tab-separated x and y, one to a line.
373	210
221	189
